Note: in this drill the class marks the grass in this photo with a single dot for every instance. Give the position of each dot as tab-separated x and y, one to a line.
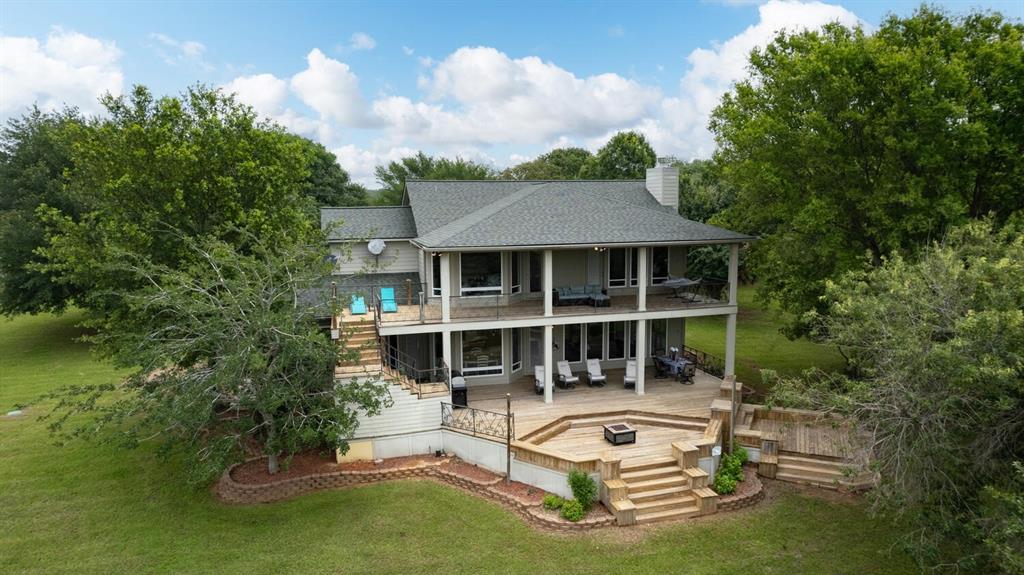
87	508
759	345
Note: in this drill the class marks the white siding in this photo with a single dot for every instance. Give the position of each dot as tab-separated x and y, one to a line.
398	257
409	414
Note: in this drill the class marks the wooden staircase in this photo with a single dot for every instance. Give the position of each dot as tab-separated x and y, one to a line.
821	471
659	489
362	334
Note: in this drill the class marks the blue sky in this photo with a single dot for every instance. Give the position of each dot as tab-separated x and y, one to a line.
497	82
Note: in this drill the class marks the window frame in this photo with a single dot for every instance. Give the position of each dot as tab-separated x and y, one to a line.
618	281
658	280
600	337
486	370
481	291
517	349
608	339
565	345
516	280
435	288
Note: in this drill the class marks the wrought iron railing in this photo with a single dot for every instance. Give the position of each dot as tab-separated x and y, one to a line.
398	362
704	361
479	422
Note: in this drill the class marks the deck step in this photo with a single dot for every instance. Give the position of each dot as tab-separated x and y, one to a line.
641	463
667	515
803	458
854	483
659	494
652	473
654	484
665	503
827	472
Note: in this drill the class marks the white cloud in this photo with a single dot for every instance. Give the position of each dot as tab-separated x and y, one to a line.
265	92
482	96
331	88
408	51
360	163
361	41
681	128
69	68
616	31
176	52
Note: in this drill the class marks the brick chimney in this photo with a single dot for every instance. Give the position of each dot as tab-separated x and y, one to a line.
663	183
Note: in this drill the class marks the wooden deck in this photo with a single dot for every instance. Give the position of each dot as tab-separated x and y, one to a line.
665	396
486	308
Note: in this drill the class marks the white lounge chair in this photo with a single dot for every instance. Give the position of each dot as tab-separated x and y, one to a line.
594	375
538	379
566	379
629	381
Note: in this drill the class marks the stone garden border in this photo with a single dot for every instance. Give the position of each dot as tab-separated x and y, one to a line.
230	491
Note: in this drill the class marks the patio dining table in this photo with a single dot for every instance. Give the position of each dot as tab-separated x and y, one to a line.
669	365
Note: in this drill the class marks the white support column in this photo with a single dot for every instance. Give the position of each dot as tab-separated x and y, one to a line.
730	344
641	354
446	289
547	283
549	372
641	282
446	349
734	272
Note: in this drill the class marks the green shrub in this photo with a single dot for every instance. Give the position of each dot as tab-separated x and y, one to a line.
572	510
740	453
724	484
583	488
732	466
552	502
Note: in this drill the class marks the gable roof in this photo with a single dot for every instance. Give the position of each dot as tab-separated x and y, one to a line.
386	222
490	214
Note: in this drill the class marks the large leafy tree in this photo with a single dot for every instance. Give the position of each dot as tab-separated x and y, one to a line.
35	151
626	156
156	169
224	361
558	164
842	143
392	177
328	183
938	346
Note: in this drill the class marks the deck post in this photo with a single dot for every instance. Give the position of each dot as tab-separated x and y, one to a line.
641	282
641	354
508	437
734	268
547	282
549	373
446	353
446	287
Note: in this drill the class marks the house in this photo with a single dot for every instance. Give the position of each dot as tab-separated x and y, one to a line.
492	281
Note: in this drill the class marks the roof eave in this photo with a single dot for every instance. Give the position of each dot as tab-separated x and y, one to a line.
506	247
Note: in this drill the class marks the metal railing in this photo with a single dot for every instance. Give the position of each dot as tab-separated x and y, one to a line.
396	361
704	361
479	422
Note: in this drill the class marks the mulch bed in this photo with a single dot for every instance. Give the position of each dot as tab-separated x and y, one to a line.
523	492
745	487
597	511
471	471
254	472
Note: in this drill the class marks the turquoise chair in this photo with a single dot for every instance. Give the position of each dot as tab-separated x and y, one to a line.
358	306
387	300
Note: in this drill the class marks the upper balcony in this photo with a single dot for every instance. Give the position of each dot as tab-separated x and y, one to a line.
513	285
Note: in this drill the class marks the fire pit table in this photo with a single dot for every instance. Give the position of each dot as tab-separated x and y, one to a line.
619	433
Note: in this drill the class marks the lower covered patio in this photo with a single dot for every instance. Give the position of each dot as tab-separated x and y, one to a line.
662	396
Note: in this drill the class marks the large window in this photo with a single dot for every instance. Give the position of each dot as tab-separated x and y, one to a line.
481	273
536	278
621	261
517	349
517	282
659	336
616	340
595	340
572	343
659	265
481	352
435	266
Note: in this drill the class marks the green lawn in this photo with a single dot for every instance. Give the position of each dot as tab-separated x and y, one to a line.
759	345
95	509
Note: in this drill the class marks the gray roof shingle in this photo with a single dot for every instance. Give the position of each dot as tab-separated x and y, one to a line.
474	214
387	222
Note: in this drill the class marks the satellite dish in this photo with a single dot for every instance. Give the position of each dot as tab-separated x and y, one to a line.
376	247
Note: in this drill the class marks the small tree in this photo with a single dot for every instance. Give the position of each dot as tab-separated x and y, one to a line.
626	156
225	360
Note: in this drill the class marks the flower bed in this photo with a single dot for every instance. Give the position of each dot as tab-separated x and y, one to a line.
748	492
244	484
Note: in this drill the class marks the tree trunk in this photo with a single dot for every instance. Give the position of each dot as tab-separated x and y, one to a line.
272	466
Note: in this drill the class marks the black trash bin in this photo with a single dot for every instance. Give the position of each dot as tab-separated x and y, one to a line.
459	395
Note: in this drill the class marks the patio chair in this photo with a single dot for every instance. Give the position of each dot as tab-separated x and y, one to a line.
629	380
538	379
566	380
387	300
687	372
594	375
358	306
